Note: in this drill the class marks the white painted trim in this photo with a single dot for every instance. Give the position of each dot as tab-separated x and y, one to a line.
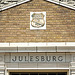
53	1
34	68
62	4
56	43
70	43
14	5
68	6
4	44
56	2
38	44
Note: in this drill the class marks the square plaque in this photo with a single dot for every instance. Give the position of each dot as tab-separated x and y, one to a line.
37	20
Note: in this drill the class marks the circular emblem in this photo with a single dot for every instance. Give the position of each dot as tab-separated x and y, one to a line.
37	20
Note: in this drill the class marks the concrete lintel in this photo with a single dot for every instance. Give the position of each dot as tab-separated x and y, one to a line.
8	49
46	49
65	48
26	49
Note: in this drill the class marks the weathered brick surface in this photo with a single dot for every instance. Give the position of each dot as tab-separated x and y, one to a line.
15	23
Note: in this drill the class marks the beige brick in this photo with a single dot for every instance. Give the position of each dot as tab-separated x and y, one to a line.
15	23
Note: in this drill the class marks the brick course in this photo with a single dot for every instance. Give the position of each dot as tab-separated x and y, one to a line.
15	23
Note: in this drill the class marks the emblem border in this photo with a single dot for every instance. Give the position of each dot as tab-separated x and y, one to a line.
39	28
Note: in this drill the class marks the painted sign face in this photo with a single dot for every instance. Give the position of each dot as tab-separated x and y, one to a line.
38	20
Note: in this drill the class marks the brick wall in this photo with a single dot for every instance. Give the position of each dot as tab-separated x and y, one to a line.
15	23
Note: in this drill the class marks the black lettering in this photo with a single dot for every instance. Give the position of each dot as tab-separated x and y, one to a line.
42	58
26	58
48	58
54	58
20	58
31	58
37	58
14	59
60	58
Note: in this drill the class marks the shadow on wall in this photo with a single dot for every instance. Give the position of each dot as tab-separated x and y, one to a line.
0	15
